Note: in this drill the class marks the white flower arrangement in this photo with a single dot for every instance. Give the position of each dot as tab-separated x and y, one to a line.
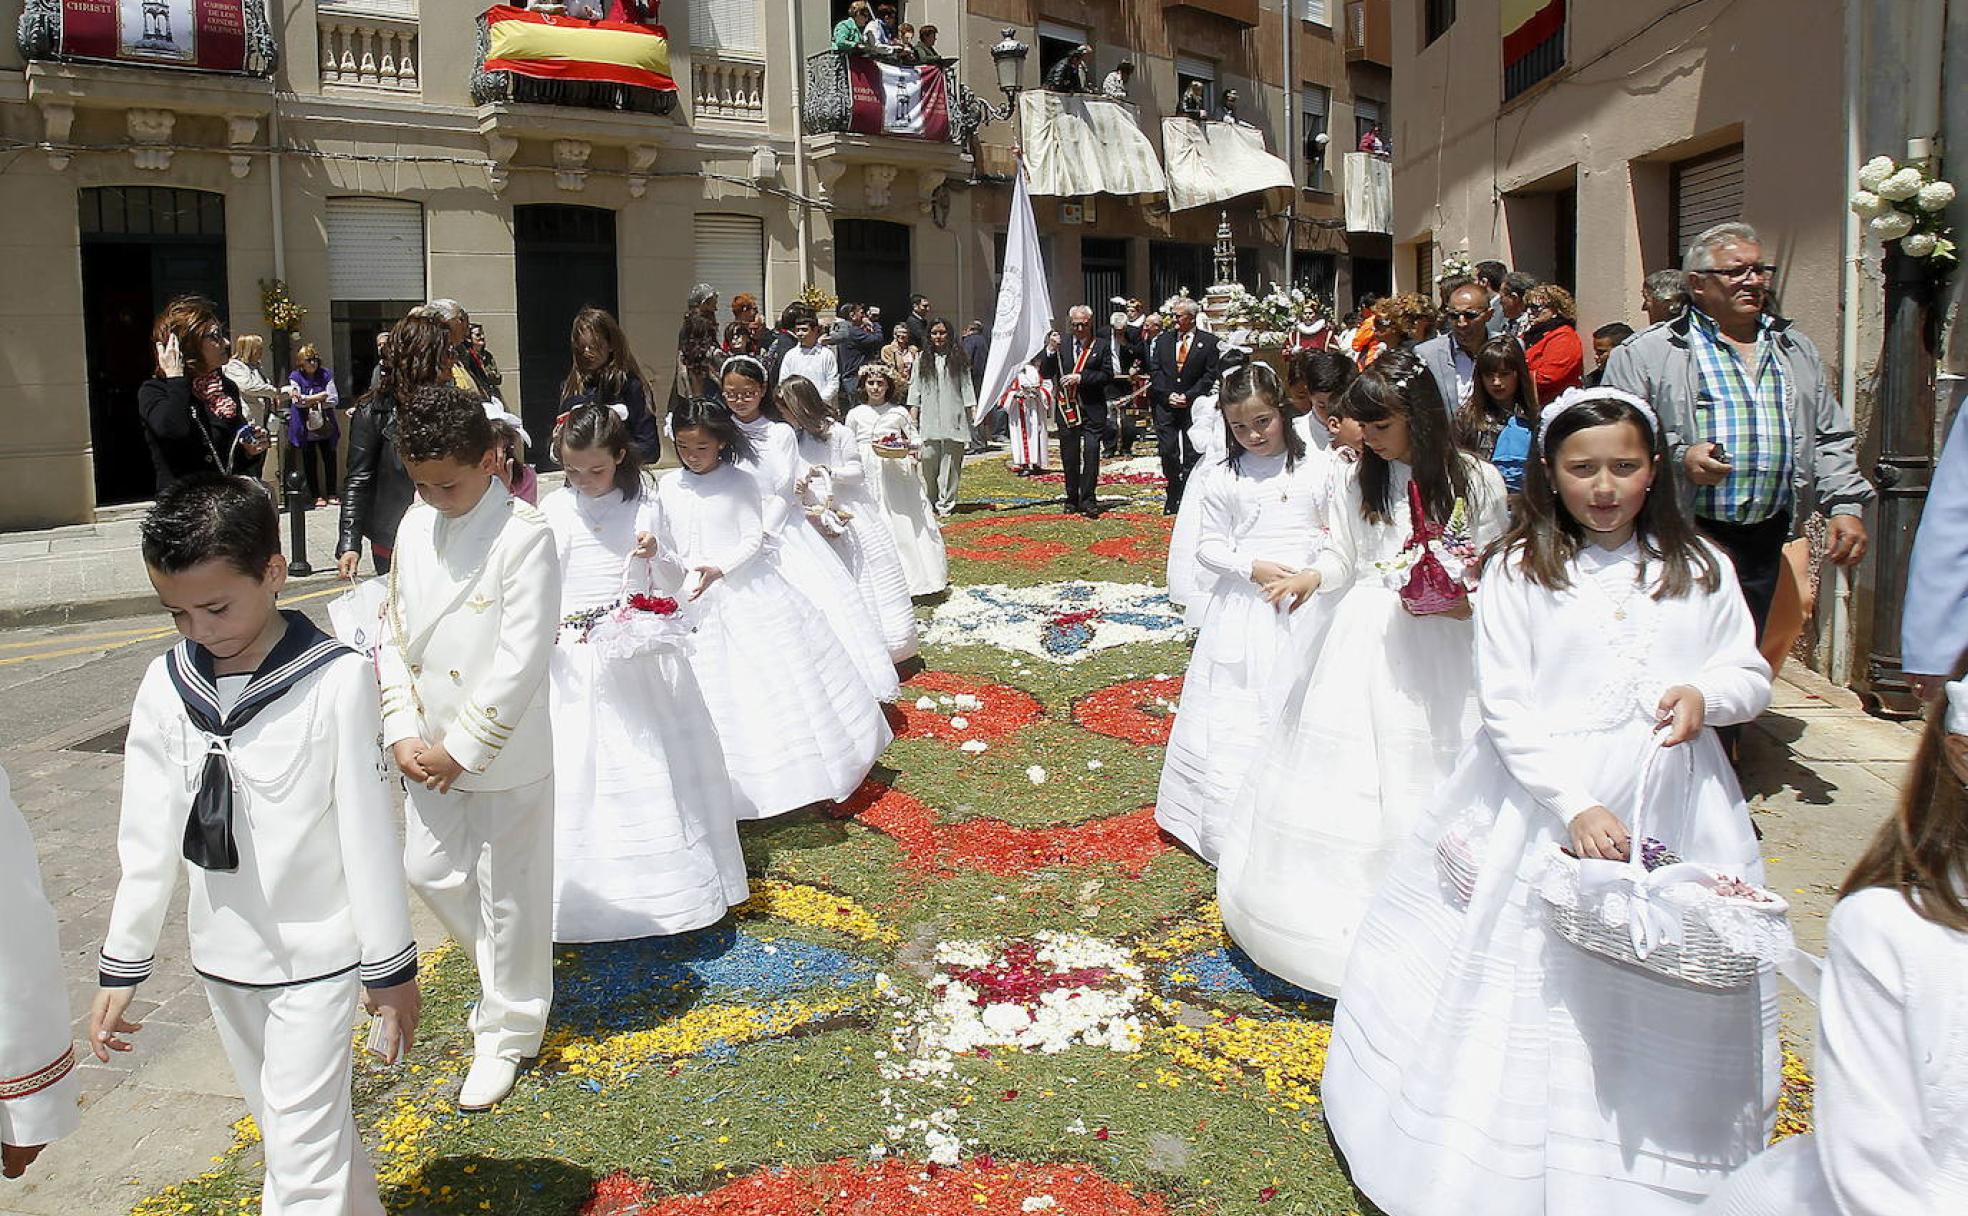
1457	265
1461	559
1025	620
1905	203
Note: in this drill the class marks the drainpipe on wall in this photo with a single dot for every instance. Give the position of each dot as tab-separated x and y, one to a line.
799	142
1291	149
1851	250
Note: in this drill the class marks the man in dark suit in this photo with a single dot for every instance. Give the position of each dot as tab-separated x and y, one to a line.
1080	371
1182	368
917	322
1130	358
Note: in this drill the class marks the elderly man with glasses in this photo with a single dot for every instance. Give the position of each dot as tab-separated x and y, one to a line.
1755	430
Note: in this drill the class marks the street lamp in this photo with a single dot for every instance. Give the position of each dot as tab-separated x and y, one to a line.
1009	58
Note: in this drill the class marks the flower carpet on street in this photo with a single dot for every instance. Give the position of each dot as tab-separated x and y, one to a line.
986	983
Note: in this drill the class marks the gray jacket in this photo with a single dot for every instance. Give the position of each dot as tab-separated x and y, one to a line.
1658	365
1438	355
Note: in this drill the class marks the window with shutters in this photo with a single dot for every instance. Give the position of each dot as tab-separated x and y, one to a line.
375	249
1425	265
1190	70
1368	114
731	256
1704	191
1315	110
1318	12
728	25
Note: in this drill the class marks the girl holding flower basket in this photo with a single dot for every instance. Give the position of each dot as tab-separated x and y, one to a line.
1380	709
1485	1058
645	819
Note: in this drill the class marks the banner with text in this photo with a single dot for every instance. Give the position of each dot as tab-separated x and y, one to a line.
200	35
909	100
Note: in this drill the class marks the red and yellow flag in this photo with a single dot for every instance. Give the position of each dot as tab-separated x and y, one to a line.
548	47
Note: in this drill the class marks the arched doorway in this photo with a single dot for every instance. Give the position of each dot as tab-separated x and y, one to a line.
141	245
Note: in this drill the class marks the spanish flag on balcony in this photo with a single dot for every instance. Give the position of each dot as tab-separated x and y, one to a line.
542	46
1533	42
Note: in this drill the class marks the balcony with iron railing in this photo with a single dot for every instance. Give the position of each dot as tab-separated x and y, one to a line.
1369	36
829	102
369	46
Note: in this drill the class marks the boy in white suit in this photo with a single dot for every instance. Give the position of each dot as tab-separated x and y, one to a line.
37	1059
473	611
252	767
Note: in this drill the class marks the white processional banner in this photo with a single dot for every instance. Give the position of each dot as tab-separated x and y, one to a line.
1024	302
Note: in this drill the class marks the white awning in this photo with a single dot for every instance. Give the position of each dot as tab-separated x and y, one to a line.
1079	144
1209	162
1369	193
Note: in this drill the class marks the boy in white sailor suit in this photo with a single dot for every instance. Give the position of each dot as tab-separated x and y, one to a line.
37	1060
472	616
252	766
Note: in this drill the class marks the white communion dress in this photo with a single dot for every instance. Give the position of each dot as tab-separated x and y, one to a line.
867	547
1891	1107
796	719
806	559
1479	1063
1360	741
645	822
1261	509
1188	582
897	488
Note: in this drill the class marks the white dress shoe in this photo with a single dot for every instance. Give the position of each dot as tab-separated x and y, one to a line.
488	1083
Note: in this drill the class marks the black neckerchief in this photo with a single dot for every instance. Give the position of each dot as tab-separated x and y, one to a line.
209	841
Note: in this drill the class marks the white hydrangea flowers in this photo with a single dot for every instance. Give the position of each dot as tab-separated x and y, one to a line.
1903	203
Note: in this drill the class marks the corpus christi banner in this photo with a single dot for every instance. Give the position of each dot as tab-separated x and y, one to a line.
200	35
909	100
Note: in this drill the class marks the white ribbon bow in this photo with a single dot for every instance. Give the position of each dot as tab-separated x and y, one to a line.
1651	922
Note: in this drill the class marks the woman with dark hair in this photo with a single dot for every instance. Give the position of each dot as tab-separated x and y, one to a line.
940	401
1496	421
699	361
378	489
605	372
194	418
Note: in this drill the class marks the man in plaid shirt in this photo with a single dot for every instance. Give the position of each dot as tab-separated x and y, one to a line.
1752	421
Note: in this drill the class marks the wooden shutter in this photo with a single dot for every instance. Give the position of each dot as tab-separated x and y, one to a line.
1706	191
731	25
375	249
731	256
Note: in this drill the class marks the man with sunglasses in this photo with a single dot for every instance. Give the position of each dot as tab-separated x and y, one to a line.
1755	430
1451	357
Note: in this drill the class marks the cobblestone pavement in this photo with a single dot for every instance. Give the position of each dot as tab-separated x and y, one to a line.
1819	772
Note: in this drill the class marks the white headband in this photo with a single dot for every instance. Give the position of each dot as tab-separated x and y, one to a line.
726	365
1573	397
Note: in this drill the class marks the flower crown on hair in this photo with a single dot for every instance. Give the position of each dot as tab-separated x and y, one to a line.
755	362
1574	397
616	408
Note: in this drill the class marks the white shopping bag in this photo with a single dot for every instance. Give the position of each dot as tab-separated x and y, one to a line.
357	615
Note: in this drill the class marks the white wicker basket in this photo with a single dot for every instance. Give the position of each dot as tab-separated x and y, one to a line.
1670	921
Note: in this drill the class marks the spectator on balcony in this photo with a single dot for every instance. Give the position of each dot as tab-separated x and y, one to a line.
1372	141
1226	109
1115	86
905	49
1072	74
1664	295
1551	342
878	35
926	51
848	32
1193	102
